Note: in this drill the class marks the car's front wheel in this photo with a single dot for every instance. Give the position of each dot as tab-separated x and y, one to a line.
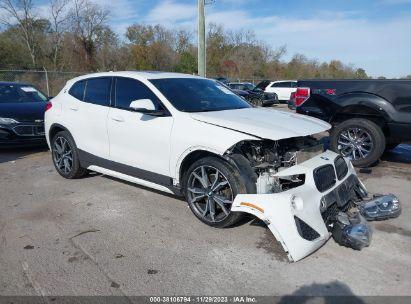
65	156
360	140
210	186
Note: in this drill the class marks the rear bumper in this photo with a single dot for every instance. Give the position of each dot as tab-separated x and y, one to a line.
297	217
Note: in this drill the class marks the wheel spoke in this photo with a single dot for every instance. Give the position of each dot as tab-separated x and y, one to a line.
222	199
203	183
204	176
219	186
211	202
215	180
195	199
196	190
221	204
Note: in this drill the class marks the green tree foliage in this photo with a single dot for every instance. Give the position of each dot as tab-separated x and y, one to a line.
77	37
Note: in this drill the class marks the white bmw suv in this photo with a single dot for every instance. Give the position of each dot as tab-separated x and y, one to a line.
191	136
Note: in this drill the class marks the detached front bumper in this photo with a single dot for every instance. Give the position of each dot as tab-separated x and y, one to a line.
299	217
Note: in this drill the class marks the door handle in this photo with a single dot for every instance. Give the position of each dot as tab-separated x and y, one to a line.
74	108
117	118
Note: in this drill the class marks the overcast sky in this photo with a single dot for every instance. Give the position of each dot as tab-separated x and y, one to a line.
372	34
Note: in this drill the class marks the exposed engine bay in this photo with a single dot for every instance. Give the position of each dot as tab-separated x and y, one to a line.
266	158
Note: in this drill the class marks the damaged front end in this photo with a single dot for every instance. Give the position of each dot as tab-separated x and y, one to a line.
305	195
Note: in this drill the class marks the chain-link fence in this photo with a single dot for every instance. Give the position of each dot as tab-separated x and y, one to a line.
49	82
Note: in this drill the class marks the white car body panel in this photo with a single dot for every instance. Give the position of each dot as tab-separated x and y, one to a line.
139	140
190	135
283	93
264	123
278	212
84	122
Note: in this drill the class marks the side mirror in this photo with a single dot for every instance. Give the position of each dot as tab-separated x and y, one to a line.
146	106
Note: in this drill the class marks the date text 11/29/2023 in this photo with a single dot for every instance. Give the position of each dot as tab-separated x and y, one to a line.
203	299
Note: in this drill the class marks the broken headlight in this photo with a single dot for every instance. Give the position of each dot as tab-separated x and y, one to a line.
380	208
352	230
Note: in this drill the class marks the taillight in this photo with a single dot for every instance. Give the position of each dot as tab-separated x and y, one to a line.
48	106
301	95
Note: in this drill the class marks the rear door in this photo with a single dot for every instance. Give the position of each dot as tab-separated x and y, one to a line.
85	115
281	89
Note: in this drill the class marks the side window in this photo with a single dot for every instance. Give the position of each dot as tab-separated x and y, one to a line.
277	85
293	84
128	90
98	91
77	90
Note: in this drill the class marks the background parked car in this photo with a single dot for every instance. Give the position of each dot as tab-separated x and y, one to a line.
224	80
255	95
368	116
282	88
22	108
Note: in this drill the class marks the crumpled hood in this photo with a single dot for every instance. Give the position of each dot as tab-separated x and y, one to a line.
264	123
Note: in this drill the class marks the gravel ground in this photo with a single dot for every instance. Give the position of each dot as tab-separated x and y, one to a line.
101	236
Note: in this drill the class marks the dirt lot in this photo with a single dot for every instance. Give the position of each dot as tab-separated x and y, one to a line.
100	236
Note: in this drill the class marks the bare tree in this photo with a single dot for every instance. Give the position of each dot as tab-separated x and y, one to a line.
20	13
88	19
59	17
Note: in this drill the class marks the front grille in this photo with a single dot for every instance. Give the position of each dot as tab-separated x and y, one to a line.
29	130
340	167
305	230
324	177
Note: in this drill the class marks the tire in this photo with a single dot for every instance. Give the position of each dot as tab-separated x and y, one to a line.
194	187
256	101
68	167
365	129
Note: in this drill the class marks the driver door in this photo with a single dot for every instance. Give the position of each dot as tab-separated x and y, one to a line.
138	140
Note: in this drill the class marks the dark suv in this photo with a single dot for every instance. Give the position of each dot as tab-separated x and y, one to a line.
368	116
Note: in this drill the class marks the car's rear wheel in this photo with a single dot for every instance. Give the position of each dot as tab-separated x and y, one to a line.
257	101
360	140
65	156
210	186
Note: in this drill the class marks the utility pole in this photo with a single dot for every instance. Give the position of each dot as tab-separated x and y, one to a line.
201	39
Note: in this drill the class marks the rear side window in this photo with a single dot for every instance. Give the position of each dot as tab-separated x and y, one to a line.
277	85
128	90
98	91
77	90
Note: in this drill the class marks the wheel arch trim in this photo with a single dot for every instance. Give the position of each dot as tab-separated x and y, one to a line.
377	105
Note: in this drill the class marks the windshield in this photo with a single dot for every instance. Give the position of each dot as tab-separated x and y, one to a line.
198	95
20	93
249	86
